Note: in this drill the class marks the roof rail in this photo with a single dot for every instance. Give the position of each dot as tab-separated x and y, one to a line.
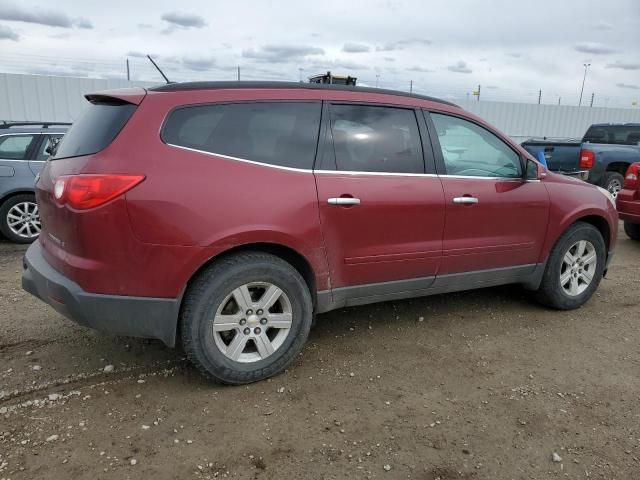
7	124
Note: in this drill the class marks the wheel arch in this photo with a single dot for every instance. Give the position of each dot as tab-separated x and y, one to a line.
286	253
601	224
619	167
12	193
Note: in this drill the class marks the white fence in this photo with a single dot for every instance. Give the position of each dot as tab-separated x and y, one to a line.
46	98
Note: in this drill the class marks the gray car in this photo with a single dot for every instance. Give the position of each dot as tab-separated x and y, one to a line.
24	147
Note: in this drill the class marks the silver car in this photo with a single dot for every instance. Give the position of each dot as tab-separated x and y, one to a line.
24	147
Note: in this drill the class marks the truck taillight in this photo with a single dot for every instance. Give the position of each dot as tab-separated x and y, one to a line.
587	159
82	192
631	177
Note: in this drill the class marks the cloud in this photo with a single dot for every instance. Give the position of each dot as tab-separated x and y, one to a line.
199	64
51	18
135	53
627	85
182	20
460	67
603	26
7	33
514	54
355	48
593	48
623	65
82	22
400	44
281	53
418	69
145	25
339	64
389	59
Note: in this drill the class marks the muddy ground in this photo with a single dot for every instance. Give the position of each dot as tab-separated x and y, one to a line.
476	385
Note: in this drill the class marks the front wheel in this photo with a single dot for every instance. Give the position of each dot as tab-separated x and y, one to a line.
632	230
245	318
574	268
19	218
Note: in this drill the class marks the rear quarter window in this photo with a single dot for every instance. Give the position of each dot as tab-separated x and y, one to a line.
95	129
277	133
613	134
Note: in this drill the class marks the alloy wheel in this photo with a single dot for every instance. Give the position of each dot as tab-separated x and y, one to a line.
578	268
23	220
252	322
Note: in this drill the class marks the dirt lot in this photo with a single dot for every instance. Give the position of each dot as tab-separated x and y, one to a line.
477	385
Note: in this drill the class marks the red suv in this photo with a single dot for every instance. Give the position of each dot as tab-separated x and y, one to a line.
628	201
226	215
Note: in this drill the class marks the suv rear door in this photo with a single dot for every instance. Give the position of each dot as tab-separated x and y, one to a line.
381	209
494	218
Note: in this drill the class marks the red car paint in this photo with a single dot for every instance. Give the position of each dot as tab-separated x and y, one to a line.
192	207
628	200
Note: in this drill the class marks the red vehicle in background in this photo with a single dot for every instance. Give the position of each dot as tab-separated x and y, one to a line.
226	215
628	202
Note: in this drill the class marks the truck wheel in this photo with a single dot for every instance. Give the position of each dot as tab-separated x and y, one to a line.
574	268
19	220
613	182
633	230
245	318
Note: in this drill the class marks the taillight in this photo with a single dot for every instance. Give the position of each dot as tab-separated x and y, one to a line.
82	192
587	159
631	177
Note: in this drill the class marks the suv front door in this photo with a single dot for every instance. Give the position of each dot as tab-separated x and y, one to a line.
382	213
495	219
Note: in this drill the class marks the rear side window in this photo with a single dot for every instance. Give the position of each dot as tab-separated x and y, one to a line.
613	134
95	129
376	139
15	147
277	133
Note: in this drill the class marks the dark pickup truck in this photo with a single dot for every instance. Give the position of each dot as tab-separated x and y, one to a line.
601	157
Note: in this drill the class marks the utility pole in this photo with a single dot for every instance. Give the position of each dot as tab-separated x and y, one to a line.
592	96
586	65
128	76
539	96
238	72
559	98
410	86
478	92
377	78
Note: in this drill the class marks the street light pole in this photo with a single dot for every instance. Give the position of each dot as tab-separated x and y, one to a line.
377	78
586	65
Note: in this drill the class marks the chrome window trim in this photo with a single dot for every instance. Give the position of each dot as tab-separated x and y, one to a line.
336	172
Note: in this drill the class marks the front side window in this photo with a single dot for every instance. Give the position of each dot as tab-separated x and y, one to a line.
15	147
277	133
472	151
376	139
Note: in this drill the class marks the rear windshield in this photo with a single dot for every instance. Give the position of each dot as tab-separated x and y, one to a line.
95	129
614	134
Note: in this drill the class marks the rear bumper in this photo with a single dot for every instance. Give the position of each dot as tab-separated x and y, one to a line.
121	315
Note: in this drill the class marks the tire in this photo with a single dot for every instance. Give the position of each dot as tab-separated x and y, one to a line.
212	295
613	182
632	230
17	206
552	292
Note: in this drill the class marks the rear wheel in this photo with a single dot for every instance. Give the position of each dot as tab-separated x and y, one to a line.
633	230
574	268
245	318
613	182
19	218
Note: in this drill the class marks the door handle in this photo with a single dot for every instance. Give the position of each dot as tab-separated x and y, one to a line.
465	200
343	201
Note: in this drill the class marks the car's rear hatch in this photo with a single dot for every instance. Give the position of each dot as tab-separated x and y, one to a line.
71	238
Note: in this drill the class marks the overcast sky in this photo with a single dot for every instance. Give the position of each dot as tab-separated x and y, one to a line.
446	47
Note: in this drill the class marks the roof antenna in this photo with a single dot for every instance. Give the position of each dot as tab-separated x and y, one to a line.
158	68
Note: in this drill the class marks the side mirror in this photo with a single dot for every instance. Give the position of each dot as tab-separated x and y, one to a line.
531	172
